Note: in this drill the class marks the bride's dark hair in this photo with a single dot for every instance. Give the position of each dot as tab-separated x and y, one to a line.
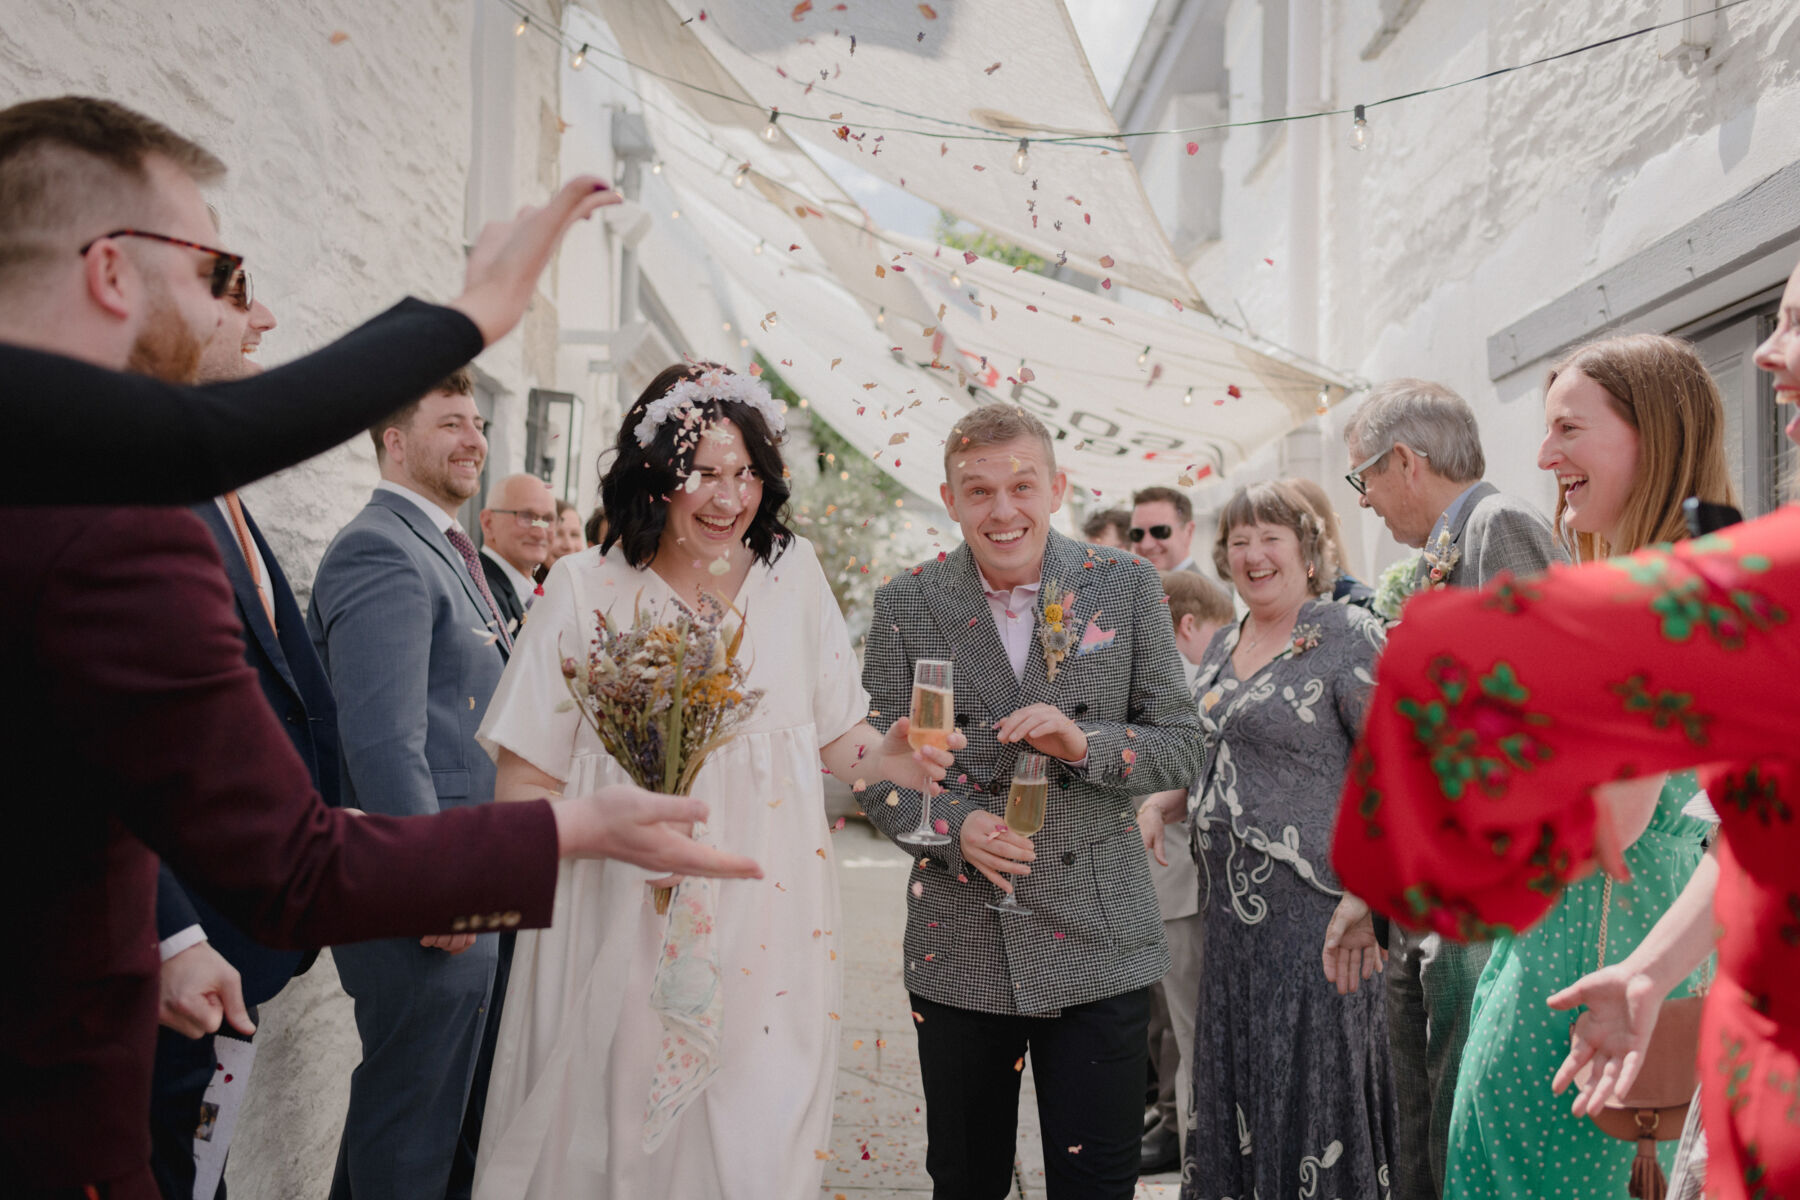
635	487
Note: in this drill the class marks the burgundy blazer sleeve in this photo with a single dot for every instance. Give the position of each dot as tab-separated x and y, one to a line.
146	665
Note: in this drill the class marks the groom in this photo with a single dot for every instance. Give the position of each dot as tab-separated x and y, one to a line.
1064	650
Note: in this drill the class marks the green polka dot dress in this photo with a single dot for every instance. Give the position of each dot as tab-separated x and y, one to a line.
1509	1136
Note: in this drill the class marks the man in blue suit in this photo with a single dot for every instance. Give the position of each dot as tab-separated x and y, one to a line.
210	967
402	616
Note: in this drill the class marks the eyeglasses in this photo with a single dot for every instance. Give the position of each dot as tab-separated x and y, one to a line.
225	264
1159	532
1355	477
525	519
239	291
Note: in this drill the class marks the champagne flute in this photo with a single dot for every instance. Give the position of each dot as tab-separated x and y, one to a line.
1025	804
932	702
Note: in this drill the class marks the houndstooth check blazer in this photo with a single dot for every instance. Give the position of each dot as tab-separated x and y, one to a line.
1496	533
1096	930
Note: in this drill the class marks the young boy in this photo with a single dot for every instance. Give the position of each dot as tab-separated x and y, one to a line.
1199	608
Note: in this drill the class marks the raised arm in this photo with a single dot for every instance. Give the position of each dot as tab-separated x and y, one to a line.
141	441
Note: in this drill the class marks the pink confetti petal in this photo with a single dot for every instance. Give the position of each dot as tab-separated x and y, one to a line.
941	825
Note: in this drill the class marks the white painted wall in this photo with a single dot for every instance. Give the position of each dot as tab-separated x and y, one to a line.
357	171
1474	207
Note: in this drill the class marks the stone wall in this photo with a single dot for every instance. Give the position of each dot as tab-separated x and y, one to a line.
350	187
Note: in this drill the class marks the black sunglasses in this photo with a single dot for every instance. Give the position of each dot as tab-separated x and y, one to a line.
1159	532
225	263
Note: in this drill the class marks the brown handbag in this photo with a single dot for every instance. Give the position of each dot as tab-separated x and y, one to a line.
1656	1107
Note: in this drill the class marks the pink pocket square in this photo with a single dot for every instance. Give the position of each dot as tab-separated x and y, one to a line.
1094	637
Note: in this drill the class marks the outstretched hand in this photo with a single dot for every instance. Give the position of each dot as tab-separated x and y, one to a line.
1352	955
509	256
627	823
1610	1038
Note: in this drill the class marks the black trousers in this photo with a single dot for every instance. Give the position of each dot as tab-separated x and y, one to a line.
1088	1065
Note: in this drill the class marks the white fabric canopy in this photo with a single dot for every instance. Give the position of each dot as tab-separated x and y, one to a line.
980	70
919	334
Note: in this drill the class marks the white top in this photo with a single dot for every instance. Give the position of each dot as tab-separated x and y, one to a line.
579	1043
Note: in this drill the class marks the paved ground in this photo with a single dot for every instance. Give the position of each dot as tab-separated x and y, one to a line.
878	1130
287	1138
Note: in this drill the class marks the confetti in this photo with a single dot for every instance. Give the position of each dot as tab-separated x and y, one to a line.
1019	1063
1075	1149
918	1016
801	9
840	824
339	37
918	889
1193	147
991	70
1106	260
1234	391
941	825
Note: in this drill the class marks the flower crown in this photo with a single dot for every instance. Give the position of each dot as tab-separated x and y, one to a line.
713	385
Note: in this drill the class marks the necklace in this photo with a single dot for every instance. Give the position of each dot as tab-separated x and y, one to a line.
1288	623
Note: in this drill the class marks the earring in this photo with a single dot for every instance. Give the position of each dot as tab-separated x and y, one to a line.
1309	571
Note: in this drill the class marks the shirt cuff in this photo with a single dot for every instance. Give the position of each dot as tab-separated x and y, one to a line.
182	939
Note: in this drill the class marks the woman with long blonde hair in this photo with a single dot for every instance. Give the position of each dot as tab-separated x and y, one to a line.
1633	426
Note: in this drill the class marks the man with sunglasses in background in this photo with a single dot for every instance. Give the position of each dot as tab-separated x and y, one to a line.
211	970
515	540
1417	461
1162	529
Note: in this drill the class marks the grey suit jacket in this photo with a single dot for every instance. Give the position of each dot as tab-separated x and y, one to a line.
1496	533
396	619
1096	930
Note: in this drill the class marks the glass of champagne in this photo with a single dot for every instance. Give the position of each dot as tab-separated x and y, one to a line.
1024	814
932	703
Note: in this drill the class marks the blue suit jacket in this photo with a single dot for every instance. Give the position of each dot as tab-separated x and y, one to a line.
293	680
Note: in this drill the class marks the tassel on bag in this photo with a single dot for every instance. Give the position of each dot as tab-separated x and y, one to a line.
1647	1182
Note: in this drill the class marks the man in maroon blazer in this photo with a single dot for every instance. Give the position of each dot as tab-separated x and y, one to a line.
132	726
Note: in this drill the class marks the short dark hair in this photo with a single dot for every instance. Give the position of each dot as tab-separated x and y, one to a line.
563	506
74	167
1276	503
635	488
595	529
1184	508
1107	518
460	382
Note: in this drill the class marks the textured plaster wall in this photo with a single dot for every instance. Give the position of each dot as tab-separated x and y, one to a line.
349	188
1476	206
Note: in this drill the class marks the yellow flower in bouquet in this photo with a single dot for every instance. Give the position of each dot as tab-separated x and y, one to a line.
662	695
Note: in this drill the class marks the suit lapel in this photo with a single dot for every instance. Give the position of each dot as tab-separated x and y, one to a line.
966	624
1482	492
250	609
440	545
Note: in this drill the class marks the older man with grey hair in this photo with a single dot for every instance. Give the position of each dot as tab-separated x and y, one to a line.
1418	464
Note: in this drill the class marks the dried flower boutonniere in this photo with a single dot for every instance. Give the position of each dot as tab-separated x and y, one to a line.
1441	556
1052	631
1305	637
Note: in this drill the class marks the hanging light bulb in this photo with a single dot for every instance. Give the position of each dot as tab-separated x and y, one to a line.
770	133
656	167
1144	357
1188	398
674	214
580	57
1022	157
522	26
955	280
1323	402
881	316
1360	137
743	172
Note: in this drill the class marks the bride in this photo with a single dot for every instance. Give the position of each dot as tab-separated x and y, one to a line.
608	1081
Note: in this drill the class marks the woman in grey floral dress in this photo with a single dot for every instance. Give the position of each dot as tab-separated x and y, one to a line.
1293	1094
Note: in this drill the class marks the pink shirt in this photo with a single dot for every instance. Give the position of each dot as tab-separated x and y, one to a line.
1015	619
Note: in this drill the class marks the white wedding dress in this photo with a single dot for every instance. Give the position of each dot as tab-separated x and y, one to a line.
579	1042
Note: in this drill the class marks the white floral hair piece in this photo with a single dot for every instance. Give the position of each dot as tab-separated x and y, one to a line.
713	385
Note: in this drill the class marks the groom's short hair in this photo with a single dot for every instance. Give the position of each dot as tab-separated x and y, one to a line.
990	425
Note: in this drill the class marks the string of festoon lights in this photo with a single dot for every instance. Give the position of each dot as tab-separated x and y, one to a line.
1360	137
